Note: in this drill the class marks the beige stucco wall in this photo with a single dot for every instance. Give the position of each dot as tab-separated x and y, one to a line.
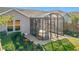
24	21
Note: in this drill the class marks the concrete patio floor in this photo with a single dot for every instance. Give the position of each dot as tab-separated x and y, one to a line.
36	41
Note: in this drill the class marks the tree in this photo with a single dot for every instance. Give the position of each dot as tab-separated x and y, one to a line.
75	20
5	19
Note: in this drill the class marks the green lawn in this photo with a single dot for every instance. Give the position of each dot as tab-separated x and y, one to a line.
59	45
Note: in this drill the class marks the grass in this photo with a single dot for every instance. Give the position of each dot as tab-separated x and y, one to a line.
68	46
75	42
59	45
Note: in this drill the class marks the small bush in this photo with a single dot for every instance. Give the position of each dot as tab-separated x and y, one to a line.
7	44
3	34
71	33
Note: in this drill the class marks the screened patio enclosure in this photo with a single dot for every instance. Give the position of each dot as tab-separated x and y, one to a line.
46	26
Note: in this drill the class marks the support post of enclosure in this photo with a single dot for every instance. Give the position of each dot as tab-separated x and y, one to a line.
50	27
57	25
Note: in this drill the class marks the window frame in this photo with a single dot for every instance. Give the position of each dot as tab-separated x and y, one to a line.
14	27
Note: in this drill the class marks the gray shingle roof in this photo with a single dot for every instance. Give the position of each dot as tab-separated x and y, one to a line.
3	9
30	13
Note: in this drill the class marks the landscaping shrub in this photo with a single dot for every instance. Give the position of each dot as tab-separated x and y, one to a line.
7	44
3	34
21	43
71	33
14	35
21	48
17	38
15	41
28	45
12	41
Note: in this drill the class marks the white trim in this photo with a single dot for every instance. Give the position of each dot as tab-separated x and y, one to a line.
13	25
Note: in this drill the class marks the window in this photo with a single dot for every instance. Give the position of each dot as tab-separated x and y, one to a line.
10	25
13	25
17	24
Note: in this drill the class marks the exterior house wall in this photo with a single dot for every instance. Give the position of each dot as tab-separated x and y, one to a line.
24	21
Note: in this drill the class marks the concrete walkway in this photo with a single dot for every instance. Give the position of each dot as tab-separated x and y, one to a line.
36	41
42	42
